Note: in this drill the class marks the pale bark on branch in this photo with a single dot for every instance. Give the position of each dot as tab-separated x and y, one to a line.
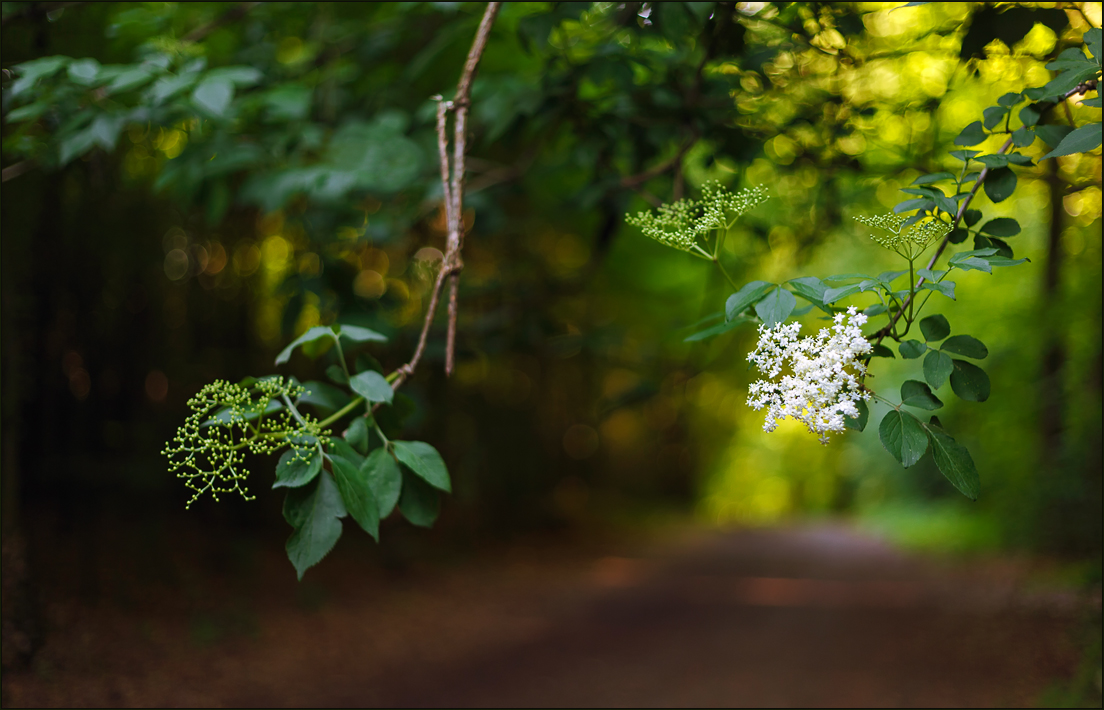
452	187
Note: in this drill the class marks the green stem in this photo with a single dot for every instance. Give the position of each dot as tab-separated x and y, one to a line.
341	356
341	412
382	436
729	278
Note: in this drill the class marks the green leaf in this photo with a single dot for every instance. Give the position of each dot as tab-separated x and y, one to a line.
832	295
775	307
965	155
357	495
935	177
293	470
847	277
972	260
1052	134
1082	140
931	275
935	328
129	79
971	135
385	479
954	462
357	334
967	346
992	116
969	381
937	368
318	332
947	288
1092	40
30	72
372	386
810	288
858	423
1001	227
357	435
324	396
76	145
1010	99
342	448
1019	159
242	76
314	512
1023	137
1000	184
1003	260
337	375
250	412
972	217
28	112
84	71
419	503
993	161
917	394
213	96
1030	115
716	330
423	459
903	436
958	235
879	350
875	310
920	203
912	349
748	295
168	86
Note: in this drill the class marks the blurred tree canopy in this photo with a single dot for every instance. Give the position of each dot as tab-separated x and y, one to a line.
188	186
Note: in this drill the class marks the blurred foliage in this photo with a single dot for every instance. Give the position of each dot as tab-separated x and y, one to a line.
203	182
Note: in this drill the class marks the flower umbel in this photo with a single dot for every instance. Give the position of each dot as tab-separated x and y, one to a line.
910	242
681	224
825	385
209	448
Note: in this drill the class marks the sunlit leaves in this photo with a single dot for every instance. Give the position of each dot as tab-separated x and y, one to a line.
1001	227
971	135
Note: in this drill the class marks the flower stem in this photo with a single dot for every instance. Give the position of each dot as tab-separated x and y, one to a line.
357	401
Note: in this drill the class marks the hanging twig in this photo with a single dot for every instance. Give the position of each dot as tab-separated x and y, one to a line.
452	187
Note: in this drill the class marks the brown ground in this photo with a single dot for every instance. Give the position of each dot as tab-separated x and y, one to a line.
806	616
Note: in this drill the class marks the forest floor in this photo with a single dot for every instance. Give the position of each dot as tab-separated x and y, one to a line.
818	615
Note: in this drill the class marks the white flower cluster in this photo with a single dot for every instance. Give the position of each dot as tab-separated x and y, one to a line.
824	387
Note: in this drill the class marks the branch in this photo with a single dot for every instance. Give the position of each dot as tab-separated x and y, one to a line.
881	334
640	178
14	171
230	16
453	199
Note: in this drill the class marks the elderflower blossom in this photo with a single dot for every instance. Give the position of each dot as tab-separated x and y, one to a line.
824	387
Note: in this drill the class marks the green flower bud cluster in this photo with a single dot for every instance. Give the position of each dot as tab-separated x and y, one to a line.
910	241
228	420
682	223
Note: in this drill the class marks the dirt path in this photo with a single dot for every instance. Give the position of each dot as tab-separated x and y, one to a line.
815	616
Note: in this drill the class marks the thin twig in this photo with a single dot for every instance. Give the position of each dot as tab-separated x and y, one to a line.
640	178
14	171
231	15
453	199
881	334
